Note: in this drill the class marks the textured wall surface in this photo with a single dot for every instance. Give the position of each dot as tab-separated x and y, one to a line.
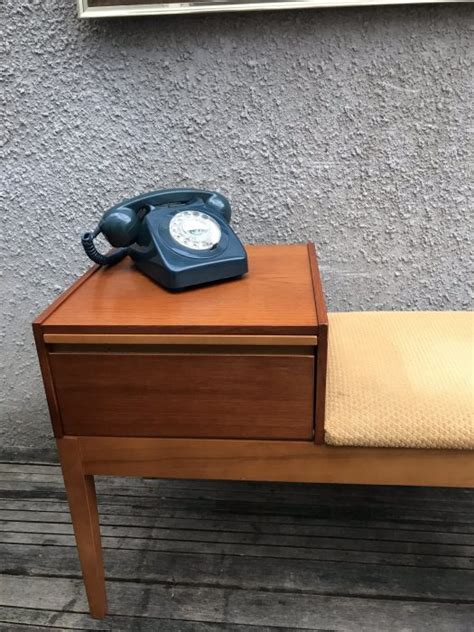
347	127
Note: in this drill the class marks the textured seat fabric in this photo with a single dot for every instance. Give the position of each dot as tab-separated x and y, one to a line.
400	379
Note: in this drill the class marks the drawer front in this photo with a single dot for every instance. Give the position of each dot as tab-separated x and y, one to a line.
185	395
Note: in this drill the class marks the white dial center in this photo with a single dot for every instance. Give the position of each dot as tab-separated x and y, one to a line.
195	230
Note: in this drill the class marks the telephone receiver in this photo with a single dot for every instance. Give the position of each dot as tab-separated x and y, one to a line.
178	237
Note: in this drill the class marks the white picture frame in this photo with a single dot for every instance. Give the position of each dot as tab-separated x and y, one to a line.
123	8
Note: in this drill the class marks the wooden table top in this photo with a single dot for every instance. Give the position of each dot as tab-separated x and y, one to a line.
281	294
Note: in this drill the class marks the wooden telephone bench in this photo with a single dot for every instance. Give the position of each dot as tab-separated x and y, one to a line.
220	382
225	381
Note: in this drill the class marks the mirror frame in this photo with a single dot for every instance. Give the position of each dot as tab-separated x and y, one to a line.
89	8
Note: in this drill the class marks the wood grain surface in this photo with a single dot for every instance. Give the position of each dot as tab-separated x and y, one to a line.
43	358
275	297
194	395
179	339
322	350
275	461
82	501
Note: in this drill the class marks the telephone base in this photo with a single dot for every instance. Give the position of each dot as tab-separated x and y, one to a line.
208	272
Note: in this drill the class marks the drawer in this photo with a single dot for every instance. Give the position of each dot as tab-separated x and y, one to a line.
265	396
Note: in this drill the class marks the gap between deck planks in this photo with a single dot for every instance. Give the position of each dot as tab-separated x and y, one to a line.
208	556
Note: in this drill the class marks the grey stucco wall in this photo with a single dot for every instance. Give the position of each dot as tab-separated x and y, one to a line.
346	127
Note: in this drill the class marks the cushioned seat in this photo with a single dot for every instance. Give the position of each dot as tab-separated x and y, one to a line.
400	379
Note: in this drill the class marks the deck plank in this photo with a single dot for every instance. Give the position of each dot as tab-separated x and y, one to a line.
210	556
30	620
246	608
143	514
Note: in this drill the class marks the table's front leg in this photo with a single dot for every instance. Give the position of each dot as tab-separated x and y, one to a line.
82	500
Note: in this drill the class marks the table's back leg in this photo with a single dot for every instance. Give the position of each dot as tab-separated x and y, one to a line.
82	500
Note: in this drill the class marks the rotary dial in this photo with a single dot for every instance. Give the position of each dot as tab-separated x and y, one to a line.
195	230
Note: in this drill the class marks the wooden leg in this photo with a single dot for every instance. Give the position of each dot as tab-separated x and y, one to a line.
82	500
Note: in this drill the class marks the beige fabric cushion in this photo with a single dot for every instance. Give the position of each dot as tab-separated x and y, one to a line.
400	379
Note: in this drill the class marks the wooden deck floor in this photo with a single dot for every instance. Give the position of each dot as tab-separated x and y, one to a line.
212	556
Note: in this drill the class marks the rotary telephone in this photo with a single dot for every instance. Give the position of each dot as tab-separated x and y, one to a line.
178	237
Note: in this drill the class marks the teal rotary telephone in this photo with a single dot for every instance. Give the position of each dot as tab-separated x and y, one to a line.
178	237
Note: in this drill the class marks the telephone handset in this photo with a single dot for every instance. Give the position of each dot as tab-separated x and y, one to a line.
178	237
